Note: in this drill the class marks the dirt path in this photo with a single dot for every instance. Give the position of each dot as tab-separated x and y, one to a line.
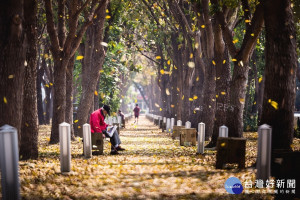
152	167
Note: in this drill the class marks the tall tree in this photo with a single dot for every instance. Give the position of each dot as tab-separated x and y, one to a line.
12	60
63	47
29	131
280	71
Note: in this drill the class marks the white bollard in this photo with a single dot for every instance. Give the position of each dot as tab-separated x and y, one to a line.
87	141
65	147
164	120
201	138
9	162
187	124
172	124
263	164
179	123
168	125
223	131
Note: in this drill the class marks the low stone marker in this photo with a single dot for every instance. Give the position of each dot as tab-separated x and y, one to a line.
168	125
263	164
188	136
9	163
201	138
187	124
231	150
65	147
176	132
172	124
87	141
223	131
179	123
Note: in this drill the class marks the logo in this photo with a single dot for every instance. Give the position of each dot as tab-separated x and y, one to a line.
233	186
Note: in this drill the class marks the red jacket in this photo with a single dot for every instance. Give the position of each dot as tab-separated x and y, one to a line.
97	121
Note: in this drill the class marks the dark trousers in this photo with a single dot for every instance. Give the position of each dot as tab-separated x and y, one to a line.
114	139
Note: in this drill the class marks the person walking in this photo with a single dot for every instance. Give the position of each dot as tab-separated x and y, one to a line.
98	126
136	111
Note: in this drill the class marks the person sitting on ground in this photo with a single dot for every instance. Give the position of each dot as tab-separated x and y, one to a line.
136	111
98	126
122	118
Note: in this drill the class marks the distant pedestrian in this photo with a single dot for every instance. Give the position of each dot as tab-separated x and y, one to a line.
136	111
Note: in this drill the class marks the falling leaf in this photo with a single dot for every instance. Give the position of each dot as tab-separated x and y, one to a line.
172	106
203	26
197	79
167	91
101	71
169	62
96	93
76	121
197	45
191	55
175	67
233	59
104	44
274	104
46	56
223	93
51	84
241	63
182	97
47	85
178	89
224	61
95	17
195	97
156	105
223	144
191	64
258	41
252	34
79	127
260	79
11	76
217	96
247	21
191	99
135	101
162	71
213	62
5	100
254	103
108	17
107	11
235	41
79	57
242	101
160	109
158	57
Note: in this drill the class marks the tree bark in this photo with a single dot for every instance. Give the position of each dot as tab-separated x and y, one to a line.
69	96
12	59
40	109
29	131
280	72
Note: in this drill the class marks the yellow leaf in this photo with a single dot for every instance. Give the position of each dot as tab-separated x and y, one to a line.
224	61
258	41
135	101
260	79
233	59
96	93
191	55
79	127
203	26
76	121
178	89
197	79
48	139
162	71
254	102
169	62
195	97
223	93
182	97
274	104
213	62
11	76
247	21
108	17
158	57
95	17
167	91
46	56
156	105
101	71
51	84
223	144
269	100
197	45
217	96
194	111
252	34
107	11
235	41
4	100
242	101
47	85
191	64
160	109
191	99
79	57
175	67
172	106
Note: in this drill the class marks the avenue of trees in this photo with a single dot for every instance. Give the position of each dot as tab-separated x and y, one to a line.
228	62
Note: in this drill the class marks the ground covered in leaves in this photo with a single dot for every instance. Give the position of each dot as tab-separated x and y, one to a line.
153	167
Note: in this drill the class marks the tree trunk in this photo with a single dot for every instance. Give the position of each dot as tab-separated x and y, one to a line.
29	132
69	96
40	109
12	59
280	72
